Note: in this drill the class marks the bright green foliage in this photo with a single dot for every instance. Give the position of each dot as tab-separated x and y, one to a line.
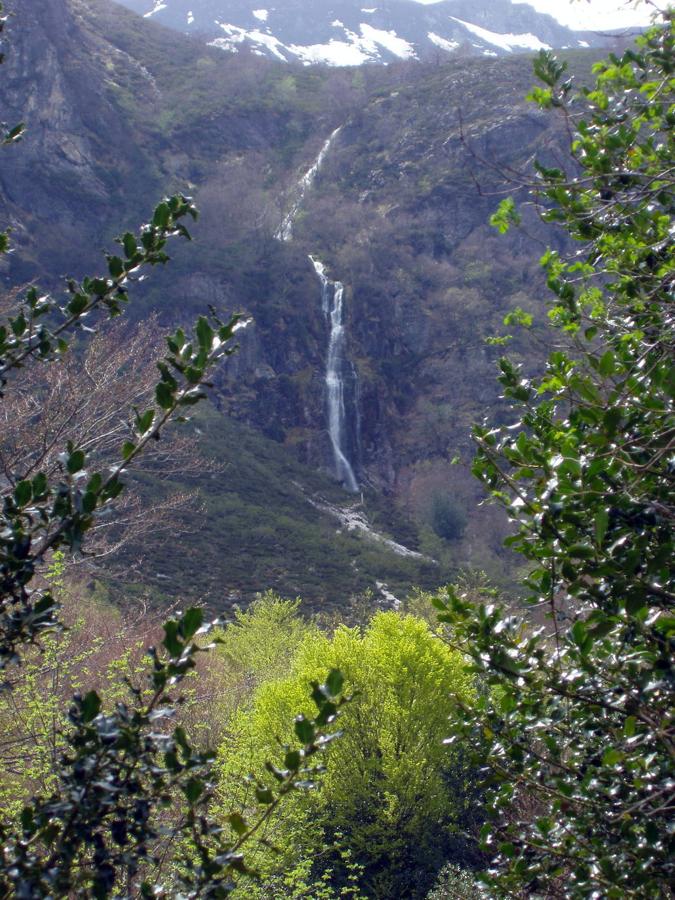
108	823
579	717
259	644
392	789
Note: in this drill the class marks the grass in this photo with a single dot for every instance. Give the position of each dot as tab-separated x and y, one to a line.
254	529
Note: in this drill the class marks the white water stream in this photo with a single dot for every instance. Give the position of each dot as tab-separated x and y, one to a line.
354	519
332	296
285	230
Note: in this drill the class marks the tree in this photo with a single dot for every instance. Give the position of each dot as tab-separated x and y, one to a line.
86	399
125	810
579	712
394	796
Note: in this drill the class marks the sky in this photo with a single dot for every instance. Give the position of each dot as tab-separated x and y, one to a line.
582	14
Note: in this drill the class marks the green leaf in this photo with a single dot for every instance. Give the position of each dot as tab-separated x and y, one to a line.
194	789
505	216
115	266
164	395
129	244
19	325
601	523
204	333
611	757
76	461
292	760
78	304
191	623
144	421
606	366
161	215
264	795
90	706
171	641
611	420
238	823
23	493
304	730
39	485
334	682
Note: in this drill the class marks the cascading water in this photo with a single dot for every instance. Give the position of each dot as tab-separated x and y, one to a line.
285	230
332	296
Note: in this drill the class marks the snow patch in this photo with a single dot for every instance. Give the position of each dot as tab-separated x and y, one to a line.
507	42
158	7
584	44
374	9
261	14
236	35
389	40
350	50
334	53
190	17
356	49
441	42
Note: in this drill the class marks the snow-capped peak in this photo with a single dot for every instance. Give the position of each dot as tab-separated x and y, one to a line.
346	33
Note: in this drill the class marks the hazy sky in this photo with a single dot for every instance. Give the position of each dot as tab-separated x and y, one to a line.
594	14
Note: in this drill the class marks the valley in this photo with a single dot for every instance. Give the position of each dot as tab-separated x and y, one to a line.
336	402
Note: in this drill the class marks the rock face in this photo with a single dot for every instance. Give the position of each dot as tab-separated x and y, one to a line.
75	162
352	32
119	109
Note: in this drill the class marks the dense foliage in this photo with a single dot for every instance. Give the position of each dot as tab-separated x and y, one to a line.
579	713
395	801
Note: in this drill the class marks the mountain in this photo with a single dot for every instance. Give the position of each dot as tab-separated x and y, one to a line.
340	208
352	32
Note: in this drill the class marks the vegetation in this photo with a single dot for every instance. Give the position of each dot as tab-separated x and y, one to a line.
395	799
128	742
578	717
253	500
408	260
121	801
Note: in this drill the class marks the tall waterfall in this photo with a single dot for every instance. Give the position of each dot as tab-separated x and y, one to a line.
332	296
285	230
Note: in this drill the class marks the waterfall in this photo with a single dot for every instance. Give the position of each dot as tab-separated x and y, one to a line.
285	230
332	296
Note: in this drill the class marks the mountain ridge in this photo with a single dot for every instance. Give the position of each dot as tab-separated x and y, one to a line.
355	32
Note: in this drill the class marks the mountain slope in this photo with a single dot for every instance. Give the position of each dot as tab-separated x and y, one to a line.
392	213
352	32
